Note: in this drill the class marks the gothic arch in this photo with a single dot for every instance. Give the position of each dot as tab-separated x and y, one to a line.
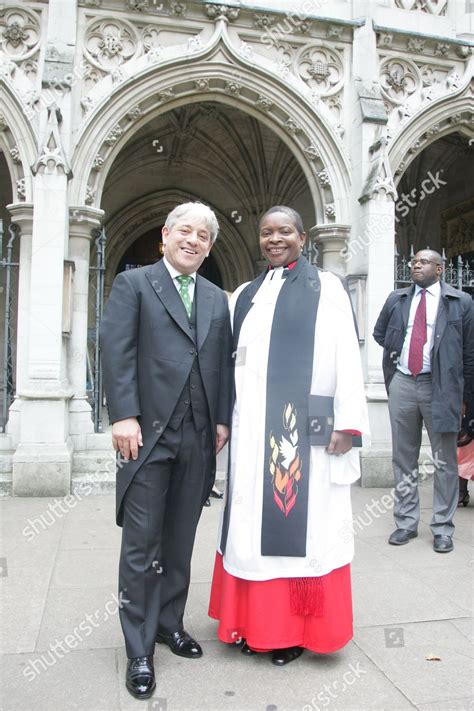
446	115
210	75
18	143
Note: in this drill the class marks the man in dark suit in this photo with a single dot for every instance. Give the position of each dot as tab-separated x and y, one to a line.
166	352
427	333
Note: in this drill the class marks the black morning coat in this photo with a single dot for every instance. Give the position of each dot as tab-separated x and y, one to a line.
148	350
452	354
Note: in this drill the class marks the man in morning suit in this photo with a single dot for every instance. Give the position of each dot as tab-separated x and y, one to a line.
427	333
166	352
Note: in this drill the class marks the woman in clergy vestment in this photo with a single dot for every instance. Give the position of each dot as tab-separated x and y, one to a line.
281	580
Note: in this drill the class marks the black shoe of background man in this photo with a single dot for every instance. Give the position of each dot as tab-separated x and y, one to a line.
181	643
401	536
140	680
443	544
280	657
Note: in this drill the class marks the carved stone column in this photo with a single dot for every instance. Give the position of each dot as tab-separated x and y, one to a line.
43	458
331	241
82	220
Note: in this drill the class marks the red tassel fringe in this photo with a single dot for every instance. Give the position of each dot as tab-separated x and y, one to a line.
307	596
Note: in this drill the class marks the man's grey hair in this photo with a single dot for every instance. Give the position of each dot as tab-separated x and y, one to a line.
197	209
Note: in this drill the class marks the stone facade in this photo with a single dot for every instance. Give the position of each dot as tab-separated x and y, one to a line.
113	111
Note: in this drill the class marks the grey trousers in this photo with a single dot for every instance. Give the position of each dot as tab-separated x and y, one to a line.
409	404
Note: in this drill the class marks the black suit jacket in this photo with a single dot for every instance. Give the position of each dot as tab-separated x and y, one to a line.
148	350
452	354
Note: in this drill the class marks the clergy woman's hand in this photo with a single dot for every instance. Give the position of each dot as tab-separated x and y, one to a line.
222	435
127	437
341	442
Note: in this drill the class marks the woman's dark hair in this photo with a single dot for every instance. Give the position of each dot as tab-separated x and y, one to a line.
294	216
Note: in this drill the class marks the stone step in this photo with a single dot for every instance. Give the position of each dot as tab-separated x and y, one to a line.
6	442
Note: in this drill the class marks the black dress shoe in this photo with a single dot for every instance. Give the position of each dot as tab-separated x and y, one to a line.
181	643
245	649
217	494
207	502
401	536
280	657
443	544
140	680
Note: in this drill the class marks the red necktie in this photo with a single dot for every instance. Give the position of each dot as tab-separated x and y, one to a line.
418	337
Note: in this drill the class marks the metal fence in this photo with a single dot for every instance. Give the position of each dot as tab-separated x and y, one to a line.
96	305
456	271
9	290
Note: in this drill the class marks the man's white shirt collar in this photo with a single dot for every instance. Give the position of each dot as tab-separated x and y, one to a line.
174	272
434	289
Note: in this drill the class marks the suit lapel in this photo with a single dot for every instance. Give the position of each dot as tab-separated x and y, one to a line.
405	306
162	284
204	304
441	319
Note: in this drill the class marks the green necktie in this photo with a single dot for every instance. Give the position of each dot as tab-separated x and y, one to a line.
184	280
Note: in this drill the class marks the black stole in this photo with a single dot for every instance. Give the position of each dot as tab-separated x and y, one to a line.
290	367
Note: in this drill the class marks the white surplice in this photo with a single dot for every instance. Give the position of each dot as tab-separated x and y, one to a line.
337	372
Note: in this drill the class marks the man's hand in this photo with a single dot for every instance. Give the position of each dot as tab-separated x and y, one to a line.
341	442
127	437
222	435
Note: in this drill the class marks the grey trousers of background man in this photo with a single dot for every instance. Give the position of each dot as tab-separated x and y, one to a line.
409	404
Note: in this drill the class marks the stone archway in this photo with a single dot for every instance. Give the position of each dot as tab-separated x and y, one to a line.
216	73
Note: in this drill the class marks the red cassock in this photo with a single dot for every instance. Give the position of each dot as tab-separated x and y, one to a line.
263	612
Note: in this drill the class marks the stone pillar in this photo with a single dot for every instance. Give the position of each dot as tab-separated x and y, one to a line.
370	248
43	458
331	241
82	220
22	215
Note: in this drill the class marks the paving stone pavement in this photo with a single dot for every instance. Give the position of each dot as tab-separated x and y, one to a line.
58	570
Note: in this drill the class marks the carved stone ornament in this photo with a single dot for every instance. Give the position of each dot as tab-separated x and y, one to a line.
321	69
330	210
178	9
292	127
432	7
51	158
3	123
222	11
134	113
323	178
166	95
334	32
110	43
263	22
150	39
15	154
232	87
399	79
385	39
442	49
20	33
98	162
114	135
263	103
90	195
201	84
312	152
21	189
416	45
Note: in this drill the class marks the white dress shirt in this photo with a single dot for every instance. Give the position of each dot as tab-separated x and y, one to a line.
432	301
175	273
